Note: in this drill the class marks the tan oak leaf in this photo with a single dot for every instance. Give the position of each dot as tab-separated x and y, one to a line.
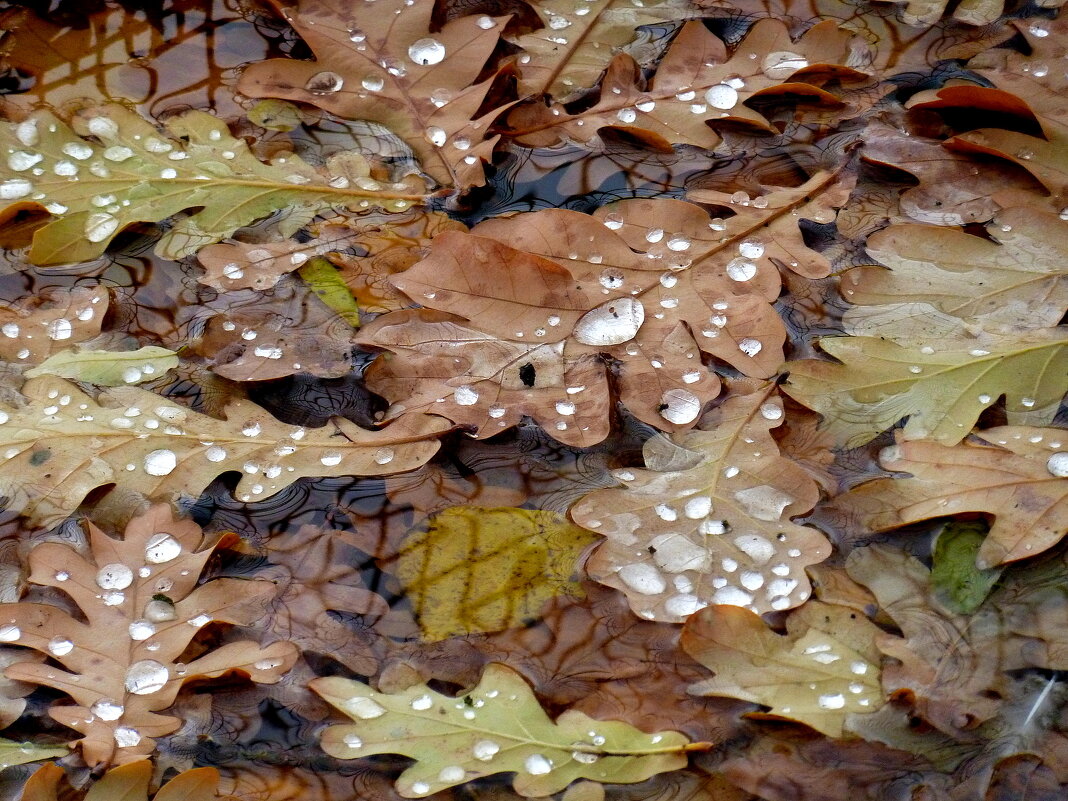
709	521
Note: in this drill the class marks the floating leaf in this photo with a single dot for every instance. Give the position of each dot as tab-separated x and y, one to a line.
651	283
1017	278
956	580
127	783
63	444
825	668
132	173
142	607
715	530
108	368
696	85
471	569
497	727
389	68
941	391
33	331
1018	478
15	753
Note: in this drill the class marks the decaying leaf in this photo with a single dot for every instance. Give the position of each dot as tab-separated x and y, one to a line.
107	368
1027	86
497	727
575	45
651	283
63	444
825	668
142	607
1018	278
715	529
970	12
387	67
1017	476
696	85
940	390
33	331
471	569
127	783
950	666
131	172
13	693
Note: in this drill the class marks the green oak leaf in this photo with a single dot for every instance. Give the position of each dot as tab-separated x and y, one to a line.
497	727
115	168
107	368
955	578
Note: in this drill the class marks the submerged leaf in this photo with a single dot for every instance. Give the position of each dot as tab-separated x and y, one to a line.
717	532
942	392
497	727
325	281
954	576
108	368
142	607
471	569
15	753
138	174
1019	478
825	668
63	444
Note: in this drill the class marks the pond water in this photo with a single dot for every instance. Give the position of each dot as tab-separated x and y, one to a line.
325	541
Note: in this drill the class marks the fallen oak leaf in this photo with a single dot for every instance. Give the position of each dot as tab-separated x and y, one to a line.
942	392
1015	474
14	753
386	67
142	606
696	86
138	174
107	368
825	668
714	529
128	782
502	729
63	444
49	323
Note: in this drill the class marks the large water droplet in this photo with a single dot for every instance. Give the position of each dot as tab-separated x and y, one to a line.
160	462
485	750
114	577
9	633
161	547
323	83
14	188
146	677
60	646
373	83
611	323
537	765
100	226
679	406
364	708
125	737
1058	465
107	709
426	51
722	96
782	63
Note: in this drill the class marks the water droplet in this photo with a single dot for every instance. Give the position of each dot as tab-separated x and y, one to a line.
100	226
330	459
615	221
60	329
452	774
426	51
422	703
160	462
722	96
14	188
611	323
146	677
750	347
679	406
771	411
436	136
537	765
1057	465
60	646
626	115
654	235
496	411
420	788
107	709
125	737
364	708
831	701
782	64
465	395
114	577
141	630
9	633
741	269
643	578
160	611
322	83
161	547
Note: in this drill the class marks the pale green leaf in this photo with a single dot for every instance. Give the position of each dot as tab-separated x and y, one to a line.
16	753
107	368
471	569
62	444
498	727
119	169
942	391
